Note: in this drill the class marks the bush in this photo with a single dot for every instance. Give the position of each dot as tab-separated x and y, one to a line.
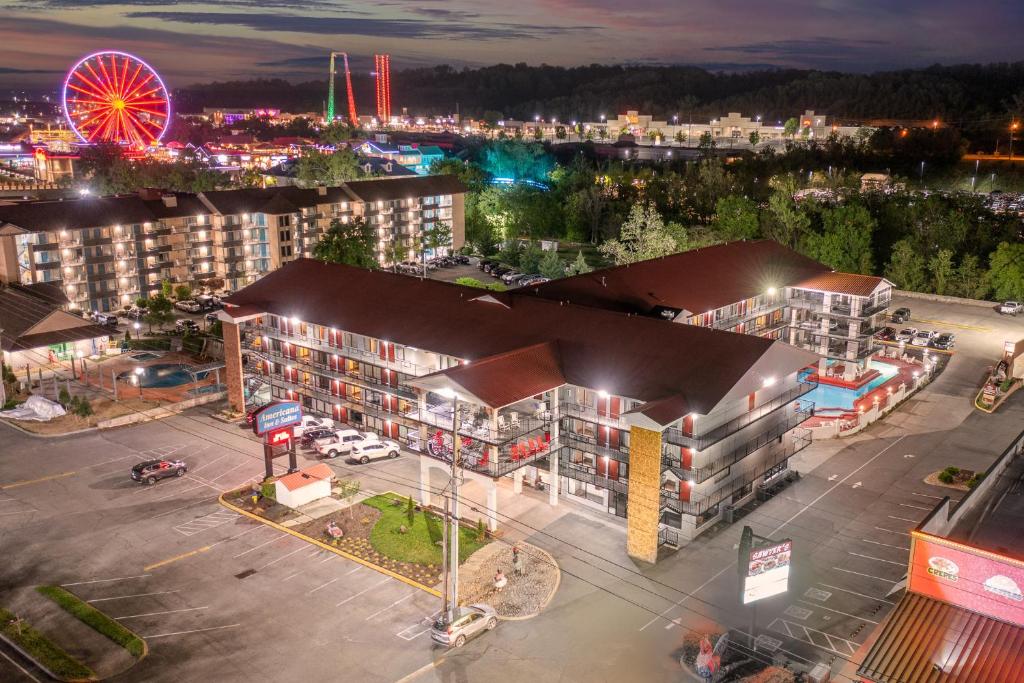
410	510
42	649
975	480
268	490
64	398
945	477
481	530
84	408
90	616
952	471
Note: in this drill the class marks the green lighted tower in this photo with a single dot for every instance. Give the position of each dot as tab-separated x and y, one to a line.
348	86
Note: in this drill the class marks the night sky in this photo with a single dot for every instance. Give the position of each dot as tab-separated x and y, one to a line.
228	39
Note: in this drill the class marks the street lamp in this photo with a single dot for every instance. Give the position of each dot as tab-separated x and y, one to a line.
1013	129
138	378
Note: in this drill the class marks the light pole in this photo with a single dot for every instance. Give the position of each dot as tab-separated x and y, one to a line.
138	378
1013	129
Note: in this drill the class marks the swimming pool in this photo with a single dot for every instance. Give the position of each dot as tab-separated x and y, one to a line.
207	389
163	375
827	396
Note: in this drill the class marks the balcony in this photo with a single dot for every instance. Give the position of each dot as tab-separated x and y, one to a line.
700	505
724	323
702	474
590	476
699	443
590	414
589	444
440	416
348	352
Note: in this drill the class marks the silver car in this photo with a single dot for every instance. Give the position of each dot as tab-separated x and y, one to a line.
468	622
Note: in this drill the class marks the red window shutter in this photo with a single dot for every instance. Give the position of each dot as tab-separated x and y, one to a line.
613	469
602	406
688	425
615	406
686	458
602	469
613	438
391	351
684	492
383	350
752	401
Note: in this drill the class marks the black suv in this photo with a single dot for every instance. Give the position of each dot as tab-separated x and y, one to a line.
150	471
186	325
310	436
901	315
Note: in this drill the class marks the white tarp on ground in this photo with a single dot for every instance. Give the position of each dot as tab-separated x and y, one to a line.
35	408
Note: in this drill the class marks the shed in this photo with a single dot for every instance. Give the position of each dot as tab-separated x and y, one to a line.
305	486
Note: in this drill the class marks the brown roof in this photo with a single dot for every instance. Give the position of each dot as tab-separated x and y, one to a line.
71	334
697	281
72	214
842	283
304	477
928	641
402	187
21	308
626	355
505	378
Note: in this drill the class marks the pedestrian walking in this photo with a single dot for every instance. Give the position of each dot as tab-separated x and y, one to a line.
517	564
500	581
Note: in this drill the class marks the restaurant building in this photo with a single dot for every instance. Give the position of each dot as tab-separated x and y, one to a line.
667	425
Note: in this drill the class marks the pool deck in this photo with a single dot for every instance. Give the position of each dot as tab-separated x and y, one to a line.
126	364
882	393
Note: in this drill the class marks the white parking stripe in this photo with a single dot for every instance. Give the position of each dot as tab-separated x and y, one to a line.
887	545
137	595
916	507
322	585
229	471
353	597
207	464
278	538
845	614
381	611
119	578
846	590
877	559
282	557
19	667
198	630
891	531
903	519
170	611
870	576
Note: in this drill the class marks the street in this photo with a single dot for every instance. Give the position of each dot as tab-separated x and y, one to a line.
220	597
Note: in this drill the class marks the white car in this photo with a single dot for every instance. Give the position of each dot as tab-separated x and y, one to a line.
906	335
923	338
1011	307
313	422
188	306
343	442
374	450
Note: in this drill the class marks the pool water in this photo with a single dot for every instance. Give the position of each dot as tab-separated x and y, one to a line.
163	375
145	355
827	396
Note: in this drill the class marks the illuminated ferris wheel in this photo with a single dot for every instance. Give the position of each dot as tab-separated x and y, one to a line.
115	97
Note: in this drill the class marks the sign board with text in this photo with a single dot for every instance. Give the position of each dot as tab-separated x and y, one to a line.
277	415
975	579
767	571
280	437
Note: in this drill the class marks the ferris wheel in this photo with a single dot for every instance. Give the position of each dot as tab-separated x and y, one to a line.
115	97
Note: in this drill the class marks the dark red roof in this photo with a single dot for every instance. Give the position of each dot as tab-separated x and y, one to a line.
626	355
842	283
697	281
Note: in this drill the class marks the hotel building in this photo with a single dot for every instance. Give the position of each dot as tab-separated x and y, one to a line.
107	251
596	396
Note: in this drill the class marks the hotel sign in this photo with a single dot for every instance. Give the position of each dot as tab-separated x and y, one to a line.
276	416
764	570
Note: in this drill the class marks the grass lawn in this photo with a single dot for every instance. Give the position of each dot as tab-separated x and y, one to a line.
42	649
94	618
419	544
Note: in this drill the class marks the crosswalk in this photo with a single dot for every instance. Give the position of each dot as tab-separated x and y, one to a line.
201	524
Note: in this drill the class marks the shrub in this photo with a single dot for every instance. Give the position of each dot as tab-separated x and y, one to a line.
410	509
481	530
91	616
952	471
945	477
64	398
268	490
975	480
84	408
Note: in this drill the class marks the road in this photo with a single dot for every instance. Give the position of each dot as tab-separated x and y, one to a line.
222	598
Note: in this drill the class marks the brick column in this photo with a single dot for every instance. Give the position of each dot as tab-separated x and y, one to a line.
644	504
233	367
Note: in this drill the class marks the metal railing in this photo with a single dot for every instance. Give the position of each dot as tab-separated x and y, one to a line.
756	311
590	476
590	414
590	445
700	442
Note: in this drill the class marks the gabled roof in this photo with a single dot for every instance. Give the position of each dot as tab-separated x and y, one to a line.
504	378
696	281
22	312
400	188
842	283
626	355
307	476
72	214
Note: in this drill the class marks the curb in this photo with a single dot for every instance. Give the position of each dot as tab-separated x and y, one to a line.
551	595
38	665
336	551
145	645
48	436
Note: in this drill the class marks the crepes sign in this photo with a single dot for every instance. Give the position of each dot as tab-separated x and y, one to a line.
767	571
975	579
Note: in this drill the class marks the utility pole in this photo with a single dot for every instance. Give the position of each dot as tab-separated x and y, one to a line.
444	558
453	558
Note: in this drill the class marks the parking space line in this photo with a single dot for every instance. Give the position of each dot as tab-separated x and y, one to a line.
20	668
916	507
16	484
197	630
870	576
282	557
330	556
170	611
396	602
323	585
255	527
891	531
926	495
278	538
903	519
228	472
19	512
107	462
877	559
292	576
353	597
183	507
119	578
846	590
353	571
887	545
845	614
207	464
137	595
808	638
183	556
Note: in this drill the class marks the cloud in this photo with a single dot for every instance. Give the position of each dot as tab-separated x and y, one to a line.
816	48
380	28
12	70
265	4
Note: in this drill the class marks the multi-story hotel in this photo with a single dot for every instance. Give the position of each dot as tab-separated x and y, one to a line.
669	425
108	251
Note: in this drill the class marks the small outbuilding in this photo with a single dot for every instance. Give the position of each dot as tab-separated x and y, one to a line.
309	484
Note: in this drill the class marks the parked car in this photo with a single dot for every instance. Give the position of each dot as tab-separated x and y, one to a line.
461	259
500	270
1010	307
314	434
944	341
186	326
923	338
109	319
901	315
374	450
189	306
136	313
886	334
342	442
467	622
313	422
510	276
150	471
485	263
906	335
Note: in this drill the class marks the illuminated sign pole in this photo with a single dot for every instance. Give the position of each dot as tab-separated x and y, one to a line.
764	567
275	422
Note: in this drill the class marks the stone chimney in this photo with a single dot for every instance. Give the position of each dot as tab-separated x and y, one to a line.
170	200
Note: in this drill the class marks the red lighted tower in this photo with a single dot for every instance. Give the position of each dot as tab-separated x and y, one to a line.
382	66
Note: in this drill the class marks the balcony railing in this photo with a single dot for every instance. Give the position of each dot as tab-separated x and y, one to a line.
702	474
726	322
589	444
702	441
800	440
407	367
590	414
590	475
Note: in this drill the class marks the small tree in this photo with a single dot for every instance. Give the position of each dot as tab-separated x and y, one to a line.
159	311
680	137
168	288
538	134
64	397
560	132
353	243
754	138
84	408
551	266
481	530
182	292
410	510
790	127
578	266
602	133
349	489
643	236
706	144
529	260
141	302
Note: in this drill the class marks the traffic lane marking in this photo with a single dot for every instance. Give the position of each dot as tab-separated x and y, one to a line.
182	556
788	629
26	482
